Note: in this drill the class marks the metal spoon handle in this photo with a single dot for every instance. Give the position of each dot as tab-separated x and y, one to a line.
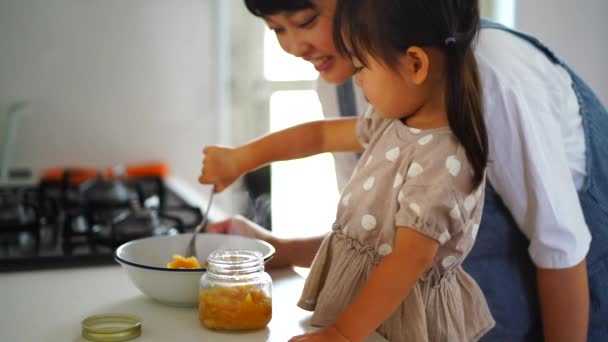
191	248
201	227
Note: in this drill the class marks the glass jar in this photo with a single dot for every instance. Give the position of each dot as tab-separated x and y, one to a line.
235	293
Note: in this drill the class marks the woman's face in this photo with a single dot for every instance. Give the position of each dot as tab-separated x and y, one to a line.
308	34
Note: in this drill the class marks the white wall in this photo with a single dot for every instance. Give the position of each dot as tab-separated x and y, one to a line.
576	30
111	81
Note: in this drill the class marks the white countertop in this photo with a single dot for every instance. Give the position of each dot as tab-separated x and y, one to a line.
49	305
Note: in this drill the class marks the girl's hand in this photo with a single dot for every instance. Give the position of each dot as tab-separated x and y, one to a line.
327	334
220	167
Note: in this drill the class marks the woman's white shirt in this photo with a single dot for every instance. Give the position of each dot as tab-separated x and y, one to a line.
537	147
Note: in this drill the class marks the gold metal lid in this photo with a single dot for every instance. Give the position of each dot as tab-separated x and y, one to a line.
111	327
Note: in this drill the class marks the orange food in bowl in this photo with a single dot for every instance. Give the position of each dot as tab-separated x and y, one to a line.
234	308
181	262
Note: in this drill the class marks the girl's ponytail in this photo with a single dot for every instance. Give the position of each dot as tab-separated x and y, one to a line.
385	29
463	87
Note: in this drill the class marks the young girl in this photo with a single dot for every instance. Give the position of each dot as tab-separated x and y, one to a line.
410	213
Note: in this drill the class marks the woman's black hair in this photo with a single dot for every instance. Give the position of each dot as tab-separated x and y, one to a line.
262	8
385	29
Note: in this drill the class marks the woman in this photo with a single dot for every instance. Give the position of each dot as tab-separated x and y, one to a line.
547	177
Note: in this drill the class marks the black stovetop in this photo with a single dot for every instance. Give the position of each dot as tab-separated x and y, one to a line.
54	225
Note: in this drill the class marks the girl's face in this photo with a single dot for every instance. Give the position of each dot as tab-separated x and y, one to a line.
393	93
308	34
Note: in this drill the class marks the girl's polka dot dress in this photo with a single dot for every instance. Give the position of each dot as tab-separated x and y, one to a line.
407	178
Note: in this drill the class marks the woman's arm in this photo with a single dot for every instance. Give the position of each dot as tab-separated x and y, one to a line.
388	285
298	251
289	252
564	303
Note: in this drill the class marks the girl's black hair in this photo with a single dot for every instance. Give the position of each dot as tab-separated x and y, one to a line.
385	29
262	8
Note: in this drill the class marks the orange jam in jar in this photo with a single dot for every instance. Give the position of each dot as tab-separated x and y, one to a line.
235	293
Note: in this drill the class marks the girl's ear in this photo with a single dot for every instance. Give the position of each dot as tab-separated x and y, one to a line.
417	64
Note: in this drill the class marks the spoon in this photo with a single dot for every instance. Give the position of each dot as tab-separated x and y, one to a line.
191	248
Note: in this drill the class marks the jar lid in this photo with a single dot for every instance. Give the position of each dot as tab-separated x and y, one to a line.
111	327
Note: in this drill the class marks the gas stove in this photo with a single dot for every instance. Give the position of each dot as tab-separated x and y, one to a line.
66	223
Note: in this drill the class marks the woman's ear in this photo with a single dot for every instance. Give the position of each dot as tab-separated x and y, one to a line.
417	64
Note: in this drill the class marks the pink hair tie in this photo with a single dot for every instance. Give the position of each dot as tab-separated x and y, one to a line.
450	41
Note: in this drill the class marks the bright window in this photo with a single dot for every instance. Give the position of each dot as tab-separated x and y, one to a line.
502	11
304	192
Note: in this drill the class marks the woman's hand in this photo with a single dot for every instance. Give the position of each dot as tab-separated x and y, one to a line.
220	166
327	334
239	225
288	252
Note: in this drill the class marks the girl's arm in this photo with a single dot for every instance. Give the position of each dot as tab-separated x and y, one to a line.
388	285
564	303
304	140
222	165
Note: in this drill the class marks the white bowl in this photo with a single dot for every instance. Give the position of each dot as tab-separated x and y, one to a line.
145	261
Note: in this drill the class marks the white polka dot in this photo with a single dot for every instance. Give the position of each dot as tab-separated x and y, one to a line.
369	113
398	180
369	160
415	130
469	202
369	183
368	222
455	212
414	170
365	145
415	208
346	199
444	237
475	230
400	196
425	140
453	165
385	249
448	261
392	154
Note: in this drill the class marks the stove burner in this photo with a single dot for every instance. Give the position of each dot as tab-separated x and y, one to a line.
18	214
15	209
65	224
102	192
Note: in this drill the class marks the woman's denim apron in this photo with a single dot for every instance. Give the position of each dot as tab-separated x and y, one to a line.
499	261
